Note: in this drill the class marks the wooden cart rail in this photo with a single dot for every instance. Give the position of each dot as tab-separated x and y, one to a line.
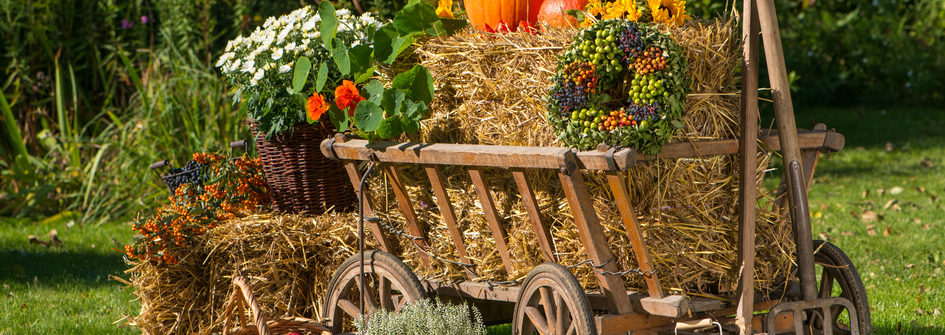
569	163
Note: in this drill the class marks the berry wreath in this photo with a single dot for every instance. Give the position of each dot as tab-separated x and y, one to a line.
620	83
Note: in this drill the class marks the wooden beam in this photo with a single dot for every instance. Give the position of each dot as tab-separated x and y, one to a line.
471	289
673	306
748	174
406	207
542	233
618	185
613	324
492	216
449	215
594	241
355	177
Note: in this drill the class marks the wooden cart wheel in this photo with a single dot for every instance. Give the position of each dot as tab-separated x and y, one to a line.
837	277
552	303
389	284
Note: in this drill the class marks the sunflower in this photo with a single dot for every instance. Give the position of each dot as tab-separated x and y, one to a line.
671	12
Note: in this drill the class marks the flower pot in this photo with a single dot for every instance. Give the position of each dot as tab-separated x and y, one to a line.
300	179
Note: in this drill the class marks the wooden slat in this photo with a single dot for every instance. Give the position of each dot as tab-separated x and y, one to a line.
492	216
618	185
673	306
542	233
376	229
471	289
406	207
594	241
553	158
748	174
453	154
449	215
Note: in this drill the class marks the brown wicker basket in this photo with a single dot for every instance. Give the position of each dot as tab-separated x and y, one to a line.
299	177
243	298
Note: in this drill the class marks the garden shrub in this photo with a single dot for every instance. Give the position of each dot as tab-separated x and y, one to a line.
427	317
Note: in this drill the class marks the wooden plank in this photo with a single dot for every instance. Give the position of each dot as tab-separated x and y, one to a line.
406	207
542	233
492	216
471	289
592	237
453	154
612	324
748	174
618	185
449	215
376	229
673	306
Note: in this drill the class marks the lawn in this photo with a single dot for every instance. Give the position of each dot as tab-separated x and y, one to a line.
880	200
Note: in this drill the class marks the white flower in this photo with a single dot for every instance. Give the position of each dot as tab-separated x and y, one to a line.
277	54
269	21
259	74
342	12
310	24
285	68
249	66
224	58
235	65
284	33
267	67
309	52
253	82
290	46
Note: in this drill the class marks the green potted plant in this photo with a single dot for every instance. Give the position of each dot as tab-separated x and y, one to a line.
307	74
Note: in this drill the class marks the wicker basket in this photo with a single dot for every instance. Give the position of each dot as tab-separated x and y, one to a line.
243	298
299	177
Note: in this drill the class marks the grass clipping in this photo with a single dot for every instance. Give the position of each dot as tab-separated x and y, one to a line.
491	89
288	260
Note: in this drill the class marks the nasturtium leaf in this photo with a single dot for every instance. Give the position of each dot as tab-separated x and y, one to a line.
415	110
329	24
302	67
360	57
368	116
339	118
415	18
393	101
321	76
417	82
340	54
365	76
411	126
375	91
389	127
388	43
447	27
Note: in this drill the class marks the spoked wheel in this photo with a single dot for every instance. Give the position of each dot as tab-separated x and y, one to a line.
837	277
388	284
552	303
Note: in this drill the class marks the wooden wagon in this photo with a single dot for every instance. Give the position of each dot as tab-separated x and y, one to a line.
550	300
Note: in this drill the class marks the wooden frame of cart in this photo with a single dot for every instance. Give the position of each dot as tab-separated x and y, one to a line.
549	300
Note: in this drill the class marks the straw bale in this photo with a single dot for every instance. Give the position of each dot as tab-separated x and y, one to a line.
288	260
491	89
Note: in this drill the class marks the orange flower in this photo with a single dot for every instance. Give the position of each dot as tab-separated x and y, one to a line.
347	97
444	9
315	107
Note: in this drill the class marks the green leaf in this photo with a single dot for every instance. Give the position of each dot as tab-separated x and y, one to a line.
340	54
302	68
415	110
448	26
321	77
368	116
388	43
375	91
360	57
411	126
393	101
364	76
329	25
339	118
418	82
389	127
415	18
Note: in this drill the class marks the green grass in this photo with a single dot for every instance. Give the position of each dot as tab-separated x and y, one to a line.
63	290
902	270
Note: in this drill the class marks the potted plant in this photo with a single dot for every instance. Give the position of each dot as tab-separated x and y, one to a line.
309	73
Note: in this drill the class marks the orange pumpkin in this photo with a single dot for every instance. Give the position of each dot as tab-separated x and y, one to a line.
553	12
509	12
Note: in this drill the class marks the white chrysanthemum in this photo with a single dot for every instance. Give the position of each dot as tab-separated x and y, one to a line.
367	19
259	74
342	12
309	53
277	54
285	68
310	24
284	33
269	21
223	59
290	46
235	65
249	66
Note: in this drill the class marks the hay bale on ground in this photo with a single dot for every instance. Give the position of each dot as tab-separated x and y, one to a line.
288	261
491	89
